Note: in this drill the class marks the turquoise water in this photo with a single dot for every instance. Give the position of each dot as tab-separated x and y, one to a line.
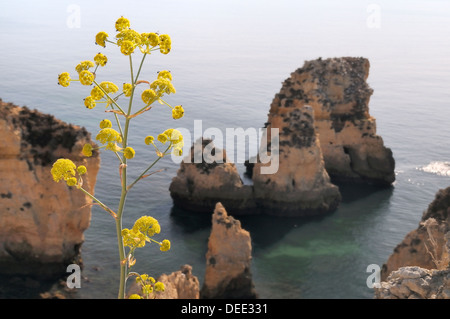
228	60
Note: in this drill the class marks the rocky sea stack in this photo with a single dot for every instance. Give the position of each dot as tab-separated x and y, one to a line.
337	91
325	136
41	221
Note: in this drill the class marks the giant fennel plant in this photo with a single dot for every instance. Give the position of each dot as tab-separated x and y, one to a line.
114	138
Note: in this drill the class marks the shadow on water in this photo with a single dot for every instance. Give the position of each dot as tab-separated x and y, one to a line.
190	222
351	192
32	287
266	230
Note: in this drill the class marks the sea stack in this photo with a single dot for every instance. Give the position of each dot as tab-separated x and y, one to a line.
337	90
301	185
228	259
207	176
41	221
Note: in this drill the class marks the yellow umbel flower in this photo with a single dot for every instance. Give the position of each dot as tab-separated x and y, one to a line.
81	170
150	39
147	289
71	181
177	112
109	87
163	138
147	225
177	150
128	152
87	150
174	136
133	238
89	102
64	79
134	296
162	85
122	23
105	123
129	35
108	135
100	38
165	43
127	89
86	77
165	75
159	286
127	47
63	169
100	59
97	93
149	140
148	96
84	65
165	245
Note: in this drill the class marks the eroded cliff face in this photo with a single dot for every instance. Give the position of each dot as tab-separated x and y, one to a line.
415	283
419	267
41	221
207	176
337	90
425	246
228	259
301	185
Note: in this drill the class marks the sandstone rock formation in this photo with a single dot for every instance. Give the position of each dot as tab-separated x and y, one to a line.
301	185
337	91
326	135
41	221
181	284
228	260
415	283
425	246
205	177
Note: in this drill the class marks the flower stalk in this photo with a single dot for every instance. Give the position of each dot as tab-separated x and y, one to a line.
128	240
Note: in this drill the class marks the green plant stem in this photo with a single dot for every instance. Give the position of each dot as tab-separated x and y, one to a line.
148	168
123	264
110	98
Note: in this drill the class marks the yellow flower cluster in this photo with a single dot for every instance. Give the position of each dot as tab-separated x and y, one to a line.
162	85
100	38
64	79
128	152
100	59
173	136
127	89
148	96
128	39
144	228
148	286
110	137
177	112
65	169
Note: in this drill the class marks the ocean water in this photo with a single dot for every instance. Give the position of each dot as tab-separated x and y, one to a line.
228	60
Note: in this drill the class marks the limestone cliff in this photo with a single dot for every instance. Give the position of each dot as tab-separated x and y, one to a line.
181	284
301	185
425	246
228	259
41	221
337	90
415	283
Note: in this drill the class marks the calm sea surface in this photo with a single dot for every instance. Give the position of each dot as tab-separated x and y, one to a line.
228	61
